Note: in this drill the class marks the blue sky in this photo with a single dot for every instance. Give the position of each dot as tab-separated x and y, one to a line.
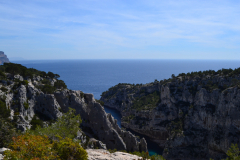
120	29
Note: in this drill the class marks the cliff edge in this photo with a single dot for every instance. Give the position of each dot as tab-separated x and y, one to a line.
29	94
191	116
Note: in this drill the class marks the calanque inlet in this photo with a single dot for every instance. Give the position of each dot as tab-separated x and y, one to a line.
190	116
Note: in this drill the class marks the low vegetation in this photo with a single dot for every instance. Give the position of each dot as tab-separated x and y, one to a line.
14	69
53	142
222	72
36	147
65	126
146	102
7	131
100	102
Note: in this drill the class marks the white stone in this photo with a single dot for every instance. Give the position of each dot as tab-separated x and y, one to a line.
100	154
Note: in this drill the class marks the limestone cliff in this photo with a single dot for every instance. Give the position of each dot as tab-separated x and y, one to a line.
192	116
47	98
3	58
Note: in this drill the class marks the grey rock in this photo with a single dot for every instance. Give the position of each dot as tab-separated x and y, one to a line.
189	122
100	154
27	100
18	77
95	144
2	150
143	145
81	137
94	117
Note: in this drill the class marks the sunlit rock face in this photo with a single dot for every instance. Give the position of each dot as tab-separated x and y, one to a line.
26	99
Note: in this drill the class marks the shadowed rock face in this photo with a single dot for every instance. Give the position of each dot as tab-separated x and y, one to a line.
27	100
3	58
189	121
102	124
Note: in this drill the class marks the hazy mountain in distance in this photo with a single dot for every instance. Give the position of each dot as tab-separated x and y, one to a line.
3	58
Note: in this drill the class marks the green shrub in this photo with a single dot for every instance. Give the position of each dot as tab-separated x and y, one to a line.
2	75
101	102
4	89
82	94
7	131
60	84
25	82
4	111
31	147
35	147
112	150
233	152
147	102
14	69
67	149
46	81
65	126
26	105
47	89
36	122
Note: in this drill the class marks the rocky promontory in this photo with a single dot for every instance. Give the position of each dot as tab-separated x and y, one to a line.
191	116
30	94
3	58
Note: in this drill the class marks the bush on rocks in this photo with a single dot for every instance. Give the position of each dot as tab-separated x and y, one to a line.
7	131
37	147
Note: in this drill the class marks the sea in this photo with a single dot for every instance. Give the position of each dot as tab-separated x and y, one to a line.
96	76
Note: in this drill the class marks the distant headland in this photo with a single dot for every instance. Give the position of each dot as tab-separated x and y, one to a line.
3	58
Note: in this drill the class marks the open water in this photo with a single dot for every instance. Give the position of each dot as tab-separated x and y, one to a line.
96	76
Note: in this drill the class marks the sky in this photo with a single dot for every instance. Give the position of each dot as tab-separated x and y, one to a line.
120	29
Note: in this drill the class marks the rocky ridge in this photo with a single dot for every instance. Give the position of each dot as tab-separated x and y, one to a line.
46	98
191	116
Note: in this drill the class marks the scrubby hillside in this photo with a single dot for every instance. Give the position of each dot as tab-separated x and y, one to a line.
192	116
29	97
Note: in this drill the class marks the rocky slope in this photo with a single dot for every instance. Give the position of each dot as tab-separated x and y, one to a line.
3	58
192	116
29	94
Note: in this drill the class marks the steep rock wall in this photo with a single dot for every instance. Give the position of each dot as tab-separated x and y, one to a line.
189	121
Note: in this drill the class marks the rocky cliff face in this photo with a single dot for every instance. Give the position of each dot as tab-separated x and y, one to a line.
25	98
3	58
190	116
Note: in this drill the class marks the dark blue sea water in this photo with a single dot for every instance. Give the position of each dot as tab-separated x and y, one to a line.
96	76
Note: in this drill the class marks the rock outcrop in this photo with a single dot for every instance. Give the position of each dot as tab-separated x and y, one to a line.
191	117
27	97
100	154
94	117
3	58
